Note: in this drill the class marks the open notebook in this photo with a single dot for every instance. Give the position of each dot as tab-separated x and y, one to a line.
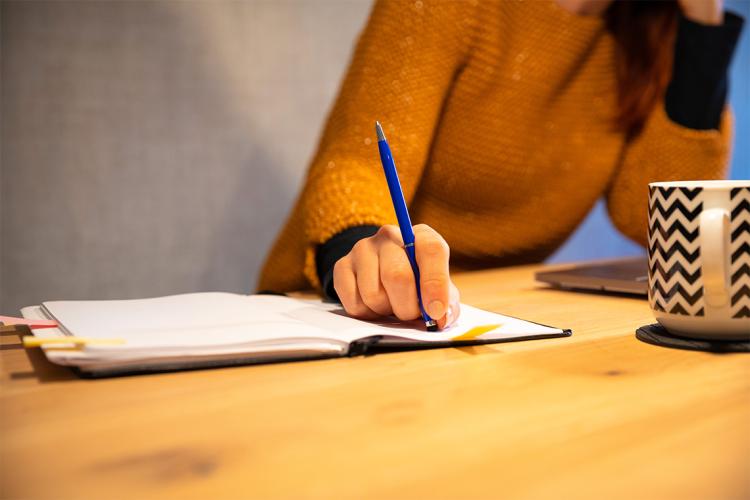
216	329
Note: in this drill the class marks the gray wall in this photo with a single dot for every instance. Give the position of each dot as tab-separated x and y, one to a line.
155	147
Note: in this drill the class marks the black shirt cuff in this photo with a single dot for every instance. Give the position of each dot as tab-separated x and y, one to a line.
327	254
697	91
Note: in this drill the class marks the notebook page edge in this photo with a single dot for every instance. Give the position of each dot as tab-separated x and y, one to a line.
103	355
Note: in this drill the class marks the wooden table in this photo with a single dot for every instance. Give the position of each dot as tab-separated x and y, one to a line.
597	415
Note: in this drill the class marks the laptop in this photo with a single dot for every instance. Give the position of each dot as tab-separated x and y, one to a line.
629	275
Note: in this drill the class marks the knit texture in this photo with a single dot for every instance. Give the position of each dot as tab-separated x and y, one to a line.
499	115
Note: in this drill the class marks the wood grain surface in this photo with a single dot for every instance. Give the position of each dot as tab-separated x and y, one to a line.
597	415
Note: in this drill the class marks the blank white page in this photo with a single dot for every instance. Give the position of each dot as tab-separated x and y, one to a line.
196	319
215	318
472	324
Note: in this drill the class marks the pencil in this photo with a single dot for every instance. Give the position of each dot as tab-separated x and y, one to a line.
402	214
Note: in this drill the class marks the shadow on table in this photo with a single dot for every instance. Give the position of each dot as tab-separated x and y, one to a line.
41	368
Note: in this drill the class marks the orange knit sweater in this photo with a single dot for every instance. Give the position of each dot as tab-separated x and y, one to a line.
499	115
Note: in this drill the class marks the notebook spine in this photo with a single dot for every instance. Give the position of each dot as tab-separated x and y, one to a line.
362	346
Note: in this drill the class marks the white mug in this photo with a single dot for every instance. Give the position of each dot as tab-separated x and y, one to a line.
699	258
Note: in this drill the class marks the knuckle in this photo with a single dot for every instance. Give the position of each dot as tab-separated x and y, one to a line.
421	228
384	230
433	247
375	300
357	309
399	275
338	267
406	312
434	284
369	295
388	231
351	304
360	248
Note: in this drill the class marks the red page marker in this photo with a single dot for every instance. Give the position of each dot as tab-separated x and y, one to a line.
31	323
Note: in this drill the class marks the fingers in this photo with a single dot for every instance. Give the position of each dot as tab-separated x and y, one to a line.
397	278
432	258
367	273
345	284
376	278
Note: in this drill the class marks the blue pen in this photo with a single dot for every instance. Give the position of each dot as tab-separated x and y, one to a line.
402	214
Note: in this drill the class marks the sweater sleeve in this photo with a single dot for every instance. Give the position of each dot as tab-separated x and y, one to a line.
697	91
402	69
687	137
664	151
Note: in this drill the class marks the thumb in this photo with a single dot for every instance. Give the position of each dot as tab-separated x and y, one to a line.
432	255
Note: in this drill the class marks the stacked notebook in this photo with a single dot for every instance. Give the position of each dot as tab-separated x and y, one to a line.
219	329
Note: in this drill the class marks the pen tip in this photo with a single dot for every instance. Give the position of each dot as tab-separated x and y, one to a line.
379	130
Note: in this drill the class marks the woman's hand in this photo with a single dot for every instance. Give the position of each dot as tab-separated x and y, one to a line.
703	11
376	279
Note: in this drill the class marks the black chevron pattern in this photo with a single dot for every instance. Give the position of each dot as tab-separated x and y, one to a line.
666	212
739	251
676	228
690	194
668	251
666	273
740	273
742	206
669	293
744	227
674	250
741	294
678	309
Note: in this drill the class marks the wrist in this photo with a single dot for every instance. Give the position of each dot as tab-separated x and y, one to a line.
705	12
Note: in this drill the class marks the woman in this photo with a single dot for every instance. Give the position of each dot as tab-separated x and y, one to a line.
507	120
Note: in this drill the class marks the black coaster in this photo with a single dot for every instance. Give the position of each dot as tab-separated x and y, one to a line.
658	335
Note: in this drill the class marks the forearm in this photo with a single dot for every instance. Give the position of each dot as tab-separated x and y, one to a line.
403	66
689	136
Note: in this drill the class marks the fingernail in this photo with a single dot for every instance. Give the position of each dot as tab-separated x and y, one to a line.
436	309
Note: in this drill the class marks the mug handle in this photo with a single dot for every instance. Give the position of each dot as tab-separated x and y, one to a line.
714	228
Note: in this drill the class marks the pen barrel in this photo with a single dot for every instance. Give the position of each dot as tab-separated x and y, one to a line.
404	221
412	254
397	195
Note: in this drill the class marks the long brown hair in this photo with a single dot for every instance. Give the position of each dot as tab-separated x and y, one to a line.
644	33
